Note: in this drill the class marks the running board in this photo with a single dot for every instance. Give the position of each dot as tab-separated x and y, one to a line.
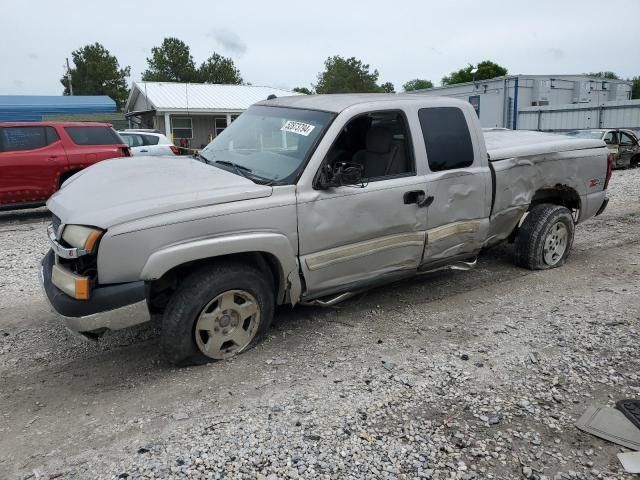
331	301
460	265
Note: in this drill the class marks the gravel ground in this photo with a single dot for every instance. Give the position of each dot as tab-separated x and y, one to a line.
477	374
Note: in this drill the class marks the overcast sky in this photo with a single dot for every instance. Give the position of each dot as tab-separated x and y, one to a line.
284	44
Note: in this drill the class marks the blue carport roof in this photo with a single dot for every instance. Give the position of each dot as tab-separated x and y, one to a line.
15	108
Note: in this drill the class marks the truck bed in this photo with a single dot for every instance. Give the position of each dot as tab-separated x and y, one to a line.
525	162
503	143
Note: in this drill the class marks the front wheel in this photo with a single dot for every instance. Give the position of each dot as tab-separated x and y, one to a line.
545	237
217	312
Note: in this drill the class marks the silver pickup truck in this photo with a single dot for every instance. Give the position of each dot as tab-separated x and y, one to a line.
307	200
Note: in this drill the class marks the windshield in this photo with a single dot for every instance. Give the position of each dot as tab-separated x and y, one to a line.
271	144
586	134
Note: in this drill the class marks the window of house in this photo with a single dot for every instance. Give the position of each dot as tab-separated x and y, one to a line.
379	142
181	128
220	125
446	137
22	138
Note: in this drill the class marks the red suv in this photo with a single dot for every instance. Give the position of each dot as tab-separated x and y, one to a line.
37	157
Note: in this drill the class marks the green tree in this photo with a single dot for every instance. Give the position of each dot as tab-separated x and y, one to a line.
170	62
96	72
388	87
417	84
347	75
486	70
219	69
635	87
303	90
607	75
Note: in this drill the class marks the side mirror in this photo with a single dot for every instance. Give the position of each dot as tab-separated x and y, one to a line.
341	174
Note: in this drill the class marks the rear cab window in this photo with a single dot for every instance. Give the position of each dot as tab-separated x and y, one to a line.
446	137
93	135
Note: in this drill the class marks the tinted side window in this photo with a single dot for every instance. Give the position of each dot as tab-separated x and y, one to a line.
52	135
446	137
132	140
93	135
150	139
22	138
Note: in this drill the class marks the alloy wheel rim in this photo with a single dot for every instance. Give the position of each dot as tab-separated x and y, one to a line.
227	324
555	244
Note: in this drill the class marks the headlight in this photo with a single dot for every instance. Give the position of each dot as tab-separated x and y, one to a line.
78	236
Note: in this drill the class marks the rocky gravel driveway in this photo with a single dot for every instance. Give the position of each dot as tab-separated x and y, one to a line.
466	375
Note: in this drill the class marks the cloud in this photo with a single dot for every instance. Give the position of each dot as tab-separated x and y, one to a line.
556	53
229	41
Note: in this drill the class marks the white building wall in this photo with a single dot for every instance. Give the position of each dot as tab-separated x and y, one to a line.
497	96
623	114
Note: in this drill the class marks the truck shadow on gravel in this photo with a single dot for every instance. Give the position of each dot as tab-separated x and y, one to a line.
12	217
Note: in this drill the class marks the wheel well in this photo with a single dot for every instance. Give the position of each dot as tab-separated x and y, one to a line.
158	292
558	195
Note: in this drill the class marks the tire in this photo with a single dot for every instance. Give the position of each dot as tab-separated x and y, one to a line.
195	313
545	237
635	162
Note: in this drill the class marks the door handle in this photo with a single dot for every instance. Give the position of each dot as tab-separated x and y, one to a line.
144	151
418	197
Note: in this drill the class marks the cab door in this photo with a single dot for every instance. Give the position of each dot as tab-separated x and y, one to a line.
354	235
459	181
31	161
627	149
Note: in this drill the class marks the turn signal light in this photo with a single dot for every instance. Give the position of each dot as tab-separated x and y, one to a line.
73	285
82	288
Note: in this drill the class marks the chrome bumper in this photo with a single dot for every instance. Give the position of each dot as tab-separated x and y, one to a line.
60	250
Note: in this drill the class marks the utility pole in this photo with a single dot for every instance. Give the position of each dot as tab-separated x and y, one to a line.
69	78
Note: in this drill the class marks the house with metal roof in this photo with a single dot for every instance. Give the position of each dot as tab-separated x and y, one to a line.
36	108
192	114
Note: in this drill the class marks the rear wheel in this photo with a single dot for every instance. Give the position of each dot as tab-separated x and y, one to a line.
635	162
545	237
217	312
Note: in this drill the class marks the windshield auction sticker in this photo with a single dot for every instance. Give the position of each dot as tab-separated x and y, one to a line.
298	127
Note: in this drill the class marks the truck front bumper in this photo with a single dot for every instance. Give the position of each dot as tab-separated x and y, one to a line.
83	315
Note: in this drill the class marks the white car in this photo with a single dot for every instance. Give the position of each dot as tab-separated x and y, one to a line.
145	142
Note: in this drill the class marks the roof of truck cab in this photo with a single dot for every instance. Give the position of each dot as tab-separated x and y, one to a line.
341	101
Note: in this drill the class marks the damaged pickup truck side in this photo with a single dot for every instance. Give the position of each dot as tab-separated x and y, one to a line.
306	200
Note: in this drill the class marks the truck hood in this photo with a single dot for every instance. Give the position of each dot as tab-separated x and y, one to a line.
123	189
